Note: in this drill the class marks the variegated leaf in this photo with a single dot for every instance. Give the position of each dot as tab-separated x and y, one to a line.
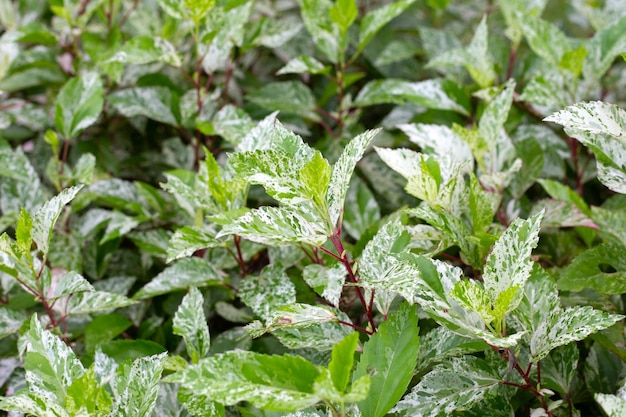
326	281
95	301
459	384
613	405
268	291
509	264
373	21
603	48
438	139
440	343
495	115
342	172
544	38
190	323
189	239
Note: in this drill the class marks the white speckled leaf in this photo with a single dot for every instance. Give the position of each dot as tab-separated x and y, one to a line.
173	7
438	139
544	38
361	209
322	336
189	239
46	217
326	281
94	301
440	343
512	10
185	273
548	325
190	323
268	291
78	104
158	103
279	383
232	123
10	321
136	386
458	384
51	366
303	65
373	21
495	114
613	405
509	262
603	48
325	35
479	63
428	93
145	50
342	172
69	283
276	226
287	97
25	404
298	316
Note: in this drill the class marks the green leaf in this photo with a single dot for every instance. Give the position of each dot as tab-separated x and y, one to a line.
606	45
232	123
480	64
174	8
47	215
440	343
342	172
439	140
509	264
389	357
315	176
78	104
23	231
586	271
558	369
495	114
279	383
360	209
103	328
600	127
343	13
548	325
286	96
87	396
429	93
298	316
199	8
190	323
268	291
326	281
342	359
374	20
145	50
545	39
158	103
95	301
136	386
562	192
190	272
458	384
316	18
69	283
514	10
51	366
279	226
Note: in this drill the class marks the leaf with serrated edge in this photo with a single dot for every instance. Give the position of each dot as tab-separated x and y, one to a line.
342	172
342	359
188	239
373	21
458	384
277	226
326	281
585	271
509	262
69	283
547	324
278	383
268	291
95	301
190	323
495	115
388	356
46	217
185	273
136	386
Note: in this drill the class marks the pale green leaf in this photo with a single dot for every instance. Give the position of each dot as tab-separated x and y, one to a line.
174	8
544	38
613	405
560	191
275	33
84	169
286	96
606	45
495	115
70	283
78	104
342	359
438	139
298	316
190	323
23	231
342	172
513	10
325	35
232	123
95	301
430	93
322	336
360	209
303	65
189	239
458	384
479	63
10	321
279	226
145	50
561	214
374	20
389	357
136	386
326	281
158	103
509	264
185	273
46	217
343	13
198	8
586	271
279	383
548	325
268	291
